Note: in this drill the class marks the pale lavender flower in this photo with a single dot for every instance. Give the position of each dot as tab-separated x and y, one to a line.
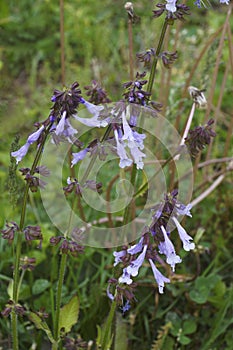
133	268
95	111
134	141
21	153
184	209
185	238
124	159
79	156
136	248
159	277
171	5
109	294
118	256
125	278
65	129
224	2
61	125
167	248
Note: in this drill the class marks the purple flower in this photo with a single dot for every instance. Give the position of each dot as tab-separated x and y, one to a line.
136	248
171	5
125	278
79	156
185	238
94	121
132	269
126	307
160	279
184	209
224	2
124	159
134	141
65	129
198	3
109	294
118	256
21	153
168	249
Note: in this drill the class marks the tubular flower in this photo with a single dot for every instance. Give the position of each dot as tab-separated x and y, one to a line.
167	248
160	279
79	156
124	159
21	153
95	121
158	234
134	141
185	238
171	5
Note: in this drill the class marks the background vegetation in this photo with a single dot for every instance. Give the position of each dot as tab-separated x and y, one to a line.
195	311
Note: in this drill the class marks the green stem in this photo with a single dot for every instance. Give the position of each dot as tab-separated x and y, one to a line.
108	325
127	209
153	177
154	64
58	297
19	237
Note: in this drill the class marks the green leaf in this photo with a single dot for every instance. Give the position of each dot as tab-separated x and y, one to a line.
10	289
200	296
40	324
184	340
40	286
189	326
69	314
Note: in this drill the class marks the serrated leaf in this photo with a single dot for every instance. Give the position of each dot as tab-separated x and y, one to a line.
69	314
40	324
40	286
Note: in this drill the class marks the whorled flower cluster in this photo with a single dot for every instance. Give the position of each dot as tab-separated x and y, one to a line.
155	241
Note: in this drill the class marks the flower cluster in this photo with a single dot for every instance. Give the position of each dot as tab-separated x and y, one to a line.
199	137
27	263
164	218
74	186
127	137
168	58
96	93
67	245
173	9
34	181
134	90
146	57
31	232
10	306
65	104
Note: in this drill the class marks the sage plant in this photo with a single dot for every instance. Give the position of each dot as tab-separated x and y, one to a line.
124	138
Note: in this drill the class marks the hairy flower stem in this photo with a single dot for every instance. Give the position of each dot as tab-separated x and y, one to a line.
155	61
58	299
18	245
149	89
107	328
